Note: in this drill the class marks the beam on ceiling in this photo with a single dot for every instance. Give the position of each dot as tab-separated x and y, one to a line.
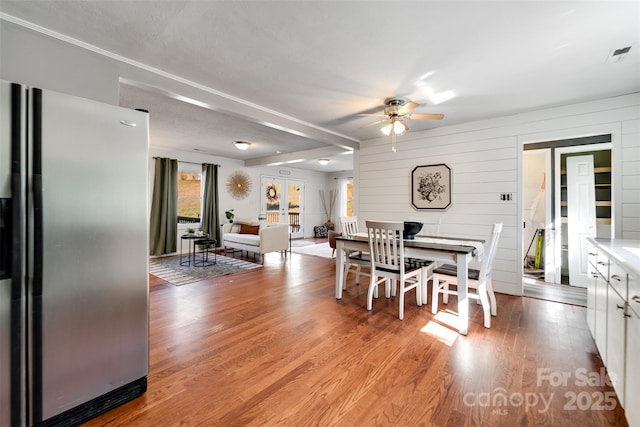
296	156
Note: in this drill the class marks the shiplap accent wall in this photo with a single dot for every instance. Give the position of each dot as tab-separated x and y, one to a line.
631	178
486	160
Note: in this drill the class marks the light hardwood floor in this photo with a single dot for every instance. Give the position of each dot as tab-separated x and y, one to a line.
273	347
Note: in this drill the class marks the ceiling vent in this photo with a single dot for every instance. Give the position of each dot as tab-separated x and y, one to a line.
617	55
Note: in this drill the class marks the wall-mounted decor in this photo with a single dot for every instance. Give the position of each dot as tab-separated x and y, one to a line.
431	187
272	193
239	185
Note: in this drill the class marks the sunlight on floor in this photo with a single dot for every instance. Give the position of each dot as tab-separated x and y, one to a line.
443	327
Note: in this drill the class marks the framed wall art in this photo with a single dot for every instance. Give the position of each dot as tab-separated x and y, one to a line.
431	187
239	185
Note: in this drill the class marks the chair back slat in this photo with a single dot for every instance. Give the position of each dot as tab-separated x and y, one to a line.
386	245
348	225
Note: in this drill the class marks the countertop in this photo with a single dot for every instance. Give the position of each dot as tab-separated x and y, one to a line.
624	252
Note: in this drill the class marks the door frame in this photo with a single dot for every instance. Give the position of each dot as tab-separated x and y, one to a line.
284	198
549	225
615	130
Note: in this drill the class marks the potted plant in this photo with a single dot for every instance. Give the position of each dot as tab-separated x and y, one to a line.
229	214
191	230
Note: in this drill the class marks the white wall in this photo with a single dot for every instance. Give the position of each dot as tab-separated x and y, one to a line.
630	185
486	160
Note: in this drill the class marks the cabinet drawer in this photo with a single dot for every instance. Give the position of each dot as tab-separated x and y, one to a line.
592	258
618	279
602	266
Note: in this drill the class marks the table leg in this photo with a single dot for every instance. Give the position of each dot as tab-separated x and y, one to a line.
424	271
181	262
339	268
463	288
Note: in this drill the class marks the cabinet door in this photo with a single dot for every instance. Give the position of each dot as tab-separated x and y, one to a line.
591	290
601	317
616	335
633	368
591	305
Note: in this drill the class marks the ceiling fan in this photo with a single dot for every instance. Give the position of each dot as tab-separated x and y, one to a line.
395	112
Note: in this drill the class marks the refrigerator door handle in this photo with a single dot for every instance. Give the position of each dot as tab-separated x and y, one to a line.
6	238
38	242
16	213
37	192
17	253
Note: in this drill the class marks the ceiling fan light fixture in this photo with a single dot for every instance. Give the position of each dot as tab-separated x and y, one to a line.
323	162
399	127
387	129
241	145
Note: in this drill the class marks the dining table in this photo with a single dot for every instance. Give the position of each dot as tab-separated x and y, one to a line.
450	250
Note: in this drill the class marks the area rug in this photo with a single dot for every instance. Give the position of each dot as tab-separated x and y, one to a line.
299	243
169	269
320	249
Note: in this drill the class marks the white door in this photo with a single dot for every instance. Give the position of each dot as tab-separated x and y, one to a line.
283	203
581	216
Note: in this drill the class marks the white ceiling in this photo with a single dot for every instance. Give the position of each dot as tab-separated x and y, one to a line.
293	76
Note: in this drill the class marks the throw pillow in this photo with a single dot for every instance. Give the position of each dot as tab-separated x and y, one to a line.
249	229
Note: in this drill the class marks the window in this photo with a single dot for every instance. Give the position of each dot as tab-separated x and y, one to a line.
189	193
349	199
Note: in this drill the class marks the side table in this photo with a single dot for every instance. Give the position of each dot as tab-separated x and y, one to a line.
190	238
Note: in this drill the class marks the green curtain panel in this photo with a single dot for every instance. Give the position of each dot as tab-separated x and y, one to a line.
210	221
164	208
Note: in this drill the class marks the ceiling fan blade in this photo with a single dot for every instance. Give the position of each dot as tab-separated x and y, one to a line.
373	115
407	107
374	123
425	116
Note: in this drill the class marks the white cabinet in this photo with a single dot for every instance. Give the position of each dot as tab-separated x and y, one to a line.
601	317
616	337
613	315
632	390
597	300
591	290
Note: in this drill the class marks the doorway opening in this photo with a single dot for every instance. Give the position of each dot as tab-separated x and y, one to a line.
555	201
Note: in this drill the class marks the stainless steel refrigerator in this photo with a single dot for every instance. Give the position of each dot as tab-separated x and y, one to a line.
73	261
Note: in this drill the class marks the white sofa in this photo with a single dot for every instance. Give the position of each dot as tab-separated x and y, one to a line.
270	238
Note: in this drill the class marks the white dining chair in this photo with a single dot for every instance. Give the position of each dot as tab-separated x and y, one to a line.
348	225
386	248
480	280
429	228
355	260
